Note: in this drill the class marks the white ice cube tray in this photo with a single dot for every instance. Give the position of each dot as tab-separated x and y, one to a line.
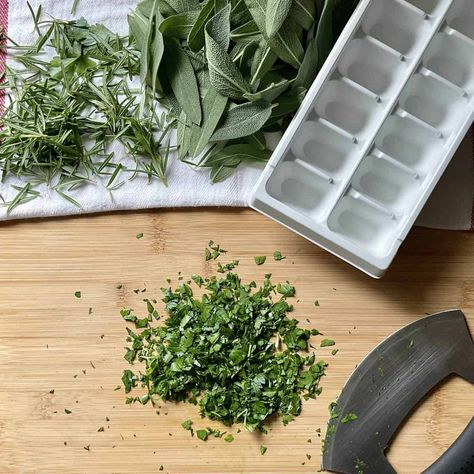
376	130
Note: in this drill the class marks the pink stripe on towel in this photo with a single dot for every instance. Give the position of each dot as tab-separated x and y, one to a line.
3	52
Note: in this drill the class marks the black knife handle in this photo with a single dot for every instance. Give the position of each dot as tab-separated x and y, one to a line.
459	457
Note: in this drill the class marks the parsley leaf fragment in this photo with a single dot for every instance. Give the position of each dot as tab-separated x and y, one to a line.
187	424
278	256
348	417
327	343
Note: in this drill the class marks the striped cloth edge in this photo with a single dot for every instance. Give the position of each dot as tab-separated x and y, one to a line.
3	52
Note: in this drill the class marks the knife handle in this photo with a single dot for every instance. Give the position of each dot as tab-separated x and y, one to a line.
459	457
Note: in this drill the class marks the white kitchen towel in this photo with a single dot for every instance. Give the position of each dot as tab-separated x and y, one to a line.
451	205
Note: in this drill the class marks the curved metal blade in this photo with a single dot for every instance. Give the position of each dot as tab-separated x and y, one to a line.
388	383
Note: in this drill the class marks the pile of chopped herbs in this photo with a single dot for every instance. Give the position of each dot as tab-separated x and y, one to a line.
231	70
234	351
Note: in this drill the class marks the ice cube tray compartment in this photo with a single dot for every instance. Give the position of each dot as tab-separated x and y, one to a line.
393	186
348	107
325	149
300	187
368	226
376	130
461	17
452	57
434	101
427	6
395	24
371	66
408	142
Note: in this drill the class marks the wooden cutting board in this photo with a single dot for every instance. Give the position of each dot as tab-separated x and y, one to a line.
49	341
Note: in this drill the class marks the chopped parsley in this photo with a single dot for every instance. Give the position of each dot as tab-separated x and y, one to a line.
234	352
77	294
359	465
348	417
278	256
260	259
263	450
286	289
187	424
139	236
327	343
213	251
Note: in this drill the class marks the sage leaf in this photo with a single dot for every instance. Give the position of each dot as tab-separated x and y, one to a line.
213	106
157	51
224	162
146	8
242	152
285	43
239	13
220	5
138	25
141	29
181	6
304	13
242	55
221	173
309	67
324	33
165	8
287	104
196	35
194	135
182	79
247	30
179	25
270	93
263	61
276	13
218	28
224	75
258	140
243	120
183	135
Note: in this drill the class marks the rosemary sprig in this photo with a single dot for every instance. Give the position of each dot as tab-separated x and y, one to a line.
72	96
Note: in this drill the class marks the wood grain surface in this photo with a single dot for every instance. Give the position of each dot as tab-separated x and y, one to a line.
48	341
